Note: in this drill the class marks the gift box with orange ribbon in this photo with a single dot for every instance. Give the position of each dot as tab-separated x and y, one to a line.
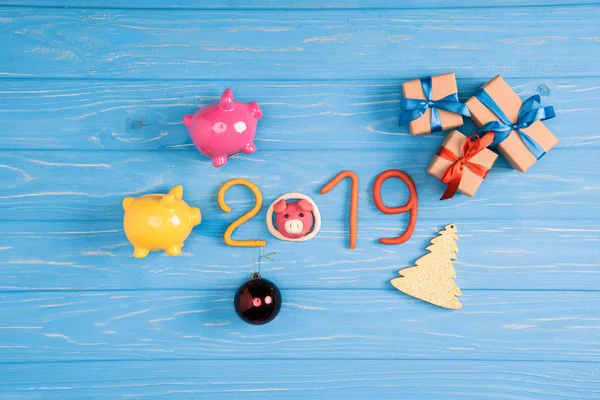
462	162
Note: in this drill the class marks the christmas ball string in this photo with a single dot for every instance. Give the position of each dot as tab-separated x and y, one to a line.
258	300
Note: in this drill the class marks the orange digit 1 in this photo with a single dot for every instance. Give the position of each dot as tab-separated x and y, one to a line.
353	200
411	205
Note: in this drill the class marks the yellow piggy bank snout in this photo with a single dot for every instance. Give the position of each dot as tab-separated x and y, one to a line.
195	215
159	222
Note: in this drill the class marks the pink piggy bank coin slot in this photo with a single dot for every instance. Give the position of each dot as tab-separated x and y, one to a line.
224	128
294	217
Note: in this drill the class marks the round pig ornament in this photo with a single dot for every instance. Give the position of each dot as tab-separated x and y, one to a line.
224	128
159	222
297	218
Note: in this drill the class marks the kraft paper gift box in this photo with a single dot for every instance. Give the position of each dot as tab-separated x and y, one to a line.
441	86
514	148
470	155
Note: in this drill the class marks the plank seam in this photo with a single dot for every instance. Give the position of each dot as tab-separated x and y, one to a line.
312	359
295	289
299	9
298	81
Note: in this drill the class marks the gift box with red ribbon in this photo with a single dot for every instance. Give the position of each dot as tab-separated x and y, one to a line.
463	162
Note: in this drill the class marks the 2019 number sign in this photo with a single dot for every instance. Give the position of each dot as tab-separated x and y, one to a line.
411	206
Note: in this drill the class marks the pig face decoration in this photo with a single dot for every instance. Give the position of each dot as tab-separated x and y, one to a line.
224	128
297	218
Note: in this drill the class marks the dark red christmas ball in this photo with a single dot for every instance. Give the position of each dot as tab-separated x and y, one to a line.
257	301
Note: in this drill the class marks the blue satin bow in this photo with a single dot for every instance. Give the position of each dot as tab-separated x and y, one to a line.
414	108
530	112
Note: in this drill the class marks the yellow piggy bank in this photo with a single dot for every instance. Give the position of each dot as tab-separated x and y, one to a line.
159	222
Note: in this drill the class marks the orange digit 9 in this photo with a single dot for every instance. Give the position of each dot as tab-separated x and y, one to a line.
412	205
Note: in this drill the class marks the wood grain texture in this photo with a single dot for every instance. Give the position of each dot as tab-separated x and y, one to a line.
312	324
494	254
111	115
299	379
90	185
361	44
293	4
91	98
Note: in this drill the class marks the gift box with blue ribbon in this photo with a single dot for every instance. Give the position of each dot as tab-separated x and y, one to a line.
519	133
431	104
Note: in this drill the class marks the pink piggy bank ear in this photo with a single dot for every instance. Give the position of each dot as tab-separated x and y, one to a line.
187	120
280	206
255	109
305	205
226	102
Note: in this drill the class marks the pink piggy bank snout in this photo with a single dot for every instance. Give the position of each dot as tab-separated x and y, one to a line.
295	219
224	128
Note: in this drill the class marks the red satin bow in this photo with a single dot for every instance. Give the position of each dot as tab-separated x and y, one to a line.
453	175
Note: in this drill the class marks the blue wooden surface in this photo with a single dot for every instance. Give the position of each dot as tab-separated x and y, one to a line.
91	98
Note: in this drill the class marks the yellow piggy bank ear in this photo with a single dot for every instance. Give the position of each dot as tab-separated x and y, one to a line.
127	201
168	201
177	191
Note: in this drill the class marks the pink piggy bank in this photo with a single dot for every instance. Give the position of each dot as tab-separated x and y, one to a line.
224	128
294	219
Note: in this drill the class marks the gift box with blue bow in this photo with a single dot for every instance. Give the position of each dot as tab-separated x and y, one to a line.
431	104
520	136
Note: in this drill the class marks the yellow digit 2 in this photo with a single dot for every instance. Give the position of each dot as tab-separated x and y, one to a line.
244	218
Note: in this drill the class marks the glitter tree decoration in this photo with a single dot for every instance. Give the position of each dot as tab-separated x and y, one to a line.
431	279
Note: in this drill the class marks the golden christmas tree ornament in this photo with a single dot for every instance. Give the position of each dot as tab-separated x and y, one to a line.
431	279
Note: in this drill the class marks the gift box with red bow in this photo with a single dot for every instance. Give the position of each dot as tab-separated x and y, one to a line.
463	162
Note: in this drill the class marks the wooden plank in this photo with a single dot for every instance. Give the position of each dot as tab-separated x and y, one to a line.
53	185
313	324
494	254
96	115
297	44
291	4
297	379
